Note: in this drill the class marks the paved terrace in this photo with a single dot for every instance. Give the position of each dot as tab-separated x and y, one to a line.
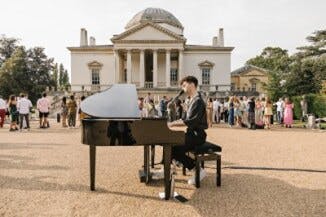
281	172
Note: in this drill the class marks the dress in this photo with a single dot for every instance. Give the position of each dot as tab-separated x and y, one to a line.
288	114
209	110
268	109
259	114
13	112
231	113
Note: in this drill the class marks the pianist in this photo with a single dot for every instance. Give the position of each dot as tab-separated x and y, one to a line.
196	123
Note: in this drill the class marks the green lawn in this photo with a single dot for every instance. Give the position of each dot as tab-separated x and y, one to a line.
300	124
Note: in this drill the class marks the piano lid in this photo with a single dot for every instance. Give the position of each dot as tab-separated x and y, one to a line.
117	102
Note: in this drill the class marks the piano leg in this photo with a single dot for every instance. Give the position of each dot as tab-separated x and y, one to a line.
146	164
145	174
152	156
167	176
92	161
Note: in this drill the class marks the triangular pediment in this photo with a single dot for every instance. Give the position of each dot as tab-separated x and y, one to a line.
94	64
148	32
206	63
249	70
255	72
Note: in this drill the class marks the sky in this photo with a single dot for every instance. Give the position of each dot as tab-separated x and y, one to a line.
249	25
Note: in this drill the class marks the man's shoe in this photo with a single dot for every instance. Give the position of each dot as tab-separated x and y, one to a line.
202	175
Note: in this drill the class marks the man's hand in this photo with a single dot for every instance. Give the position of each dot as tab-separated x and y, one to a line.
176	123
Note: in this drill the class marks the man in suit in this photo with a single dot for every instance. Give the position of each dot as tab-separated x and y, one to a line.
196	122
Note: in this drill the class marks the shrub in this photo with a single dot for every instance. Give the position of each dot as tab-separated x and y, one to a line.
316	105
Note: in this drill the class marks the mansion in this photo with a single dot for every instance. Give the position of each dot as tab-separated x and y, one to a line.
249	80
151	53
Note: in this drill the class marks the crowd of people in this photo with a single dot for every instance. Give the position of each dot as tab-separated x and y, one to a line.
253	113
18	109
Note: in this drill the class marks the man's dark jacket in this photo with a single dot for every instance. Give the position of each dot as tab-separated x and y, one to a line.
196	121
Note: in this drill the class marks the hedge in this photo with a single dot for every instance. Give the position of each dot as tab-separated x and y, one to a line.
316	105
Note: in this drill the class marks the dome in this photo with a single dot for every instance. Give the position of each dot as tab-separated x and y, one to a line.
155	15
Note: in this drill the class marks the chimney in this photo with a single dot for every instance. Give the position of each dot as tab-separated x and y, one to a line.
92	41
83	37
221	37
215	41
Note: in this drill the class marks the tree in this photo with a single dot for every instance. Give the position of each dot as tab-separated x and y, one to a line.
61	74
317	47
276	61
26	71
309	66
303	78
7	48
55	78
12	73
63	77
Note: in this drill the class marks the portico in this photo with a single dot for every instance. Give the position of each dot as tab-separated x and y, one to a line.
148	67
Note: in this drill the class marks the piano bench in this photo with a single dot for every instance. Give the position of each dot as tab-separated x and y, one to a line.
206	152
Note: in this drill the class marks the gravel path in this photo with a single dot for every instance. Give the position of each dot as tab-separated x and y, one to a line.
281	172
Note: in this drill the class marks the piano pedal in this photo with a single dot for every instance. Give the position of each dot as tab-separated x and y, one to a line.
143	176
176	196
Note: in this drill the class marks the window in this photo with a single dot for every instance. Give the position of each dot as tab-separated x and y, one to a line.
253	87
95	76
206	76
174	76
232	86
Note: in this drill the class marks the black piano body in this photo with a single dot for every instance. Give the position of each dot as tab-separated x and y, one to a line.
115	120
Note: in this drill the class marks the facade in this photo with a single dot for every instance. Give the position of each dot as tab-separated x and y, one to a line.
152	54
249	80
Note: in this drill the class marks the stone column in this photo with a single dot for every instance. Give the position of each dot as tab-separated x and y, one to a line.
142	68
154	68
117	67
128	66
180	62
167	68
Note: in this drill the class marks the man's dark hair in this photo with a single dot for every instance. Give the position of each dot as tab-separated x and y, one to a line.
82	98
72	97
22	95
44	94
189	79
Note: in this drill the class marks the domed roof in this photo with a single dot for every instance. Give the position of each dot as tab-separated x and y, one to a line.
155	15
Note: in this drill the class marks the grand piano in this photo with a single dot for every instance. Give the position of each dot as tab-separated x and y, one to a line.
115	120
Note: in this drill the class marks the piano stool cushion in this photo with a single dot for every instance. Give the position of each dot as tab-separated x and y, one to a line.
207	148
